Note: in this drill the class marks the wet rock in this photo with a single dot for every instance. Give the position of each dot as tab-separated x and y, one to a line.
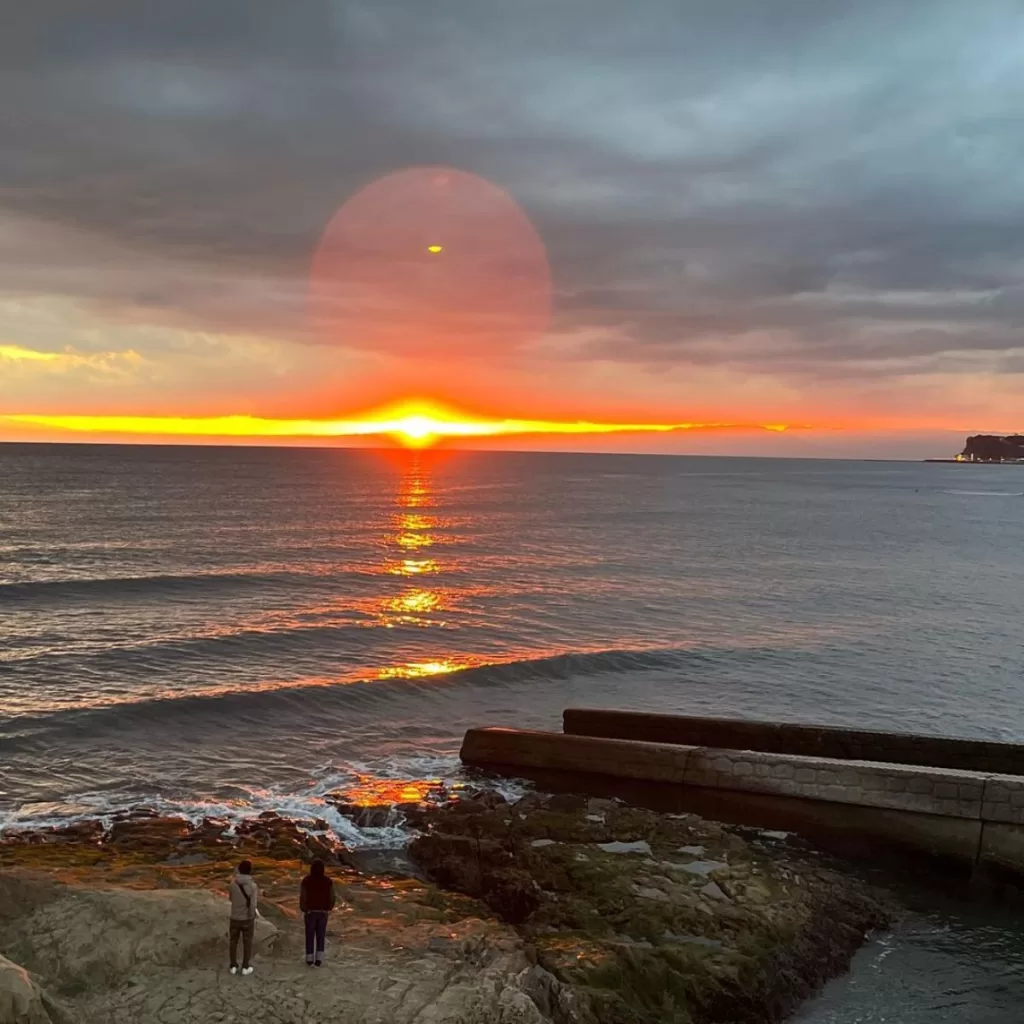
647	892
701	868
605	920
640	847
692	940
567	803
80	831
187	859
373	815
146	833
481	869
486	798
713	892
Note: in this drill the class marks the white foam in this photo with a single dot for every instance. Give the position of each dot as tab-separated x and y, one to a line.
310	803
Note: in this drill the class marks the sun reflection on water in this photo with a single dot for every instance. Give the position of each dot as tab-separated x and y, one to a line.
415	540
370	791
419	606
414	602
414	567
422	669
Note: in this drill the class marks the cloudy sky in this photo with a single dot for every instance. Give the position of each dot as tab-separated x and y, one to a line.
803	211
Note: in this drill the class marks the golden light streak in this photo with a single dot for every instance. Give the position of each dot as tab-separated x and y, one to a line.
414	426
15	353
422	669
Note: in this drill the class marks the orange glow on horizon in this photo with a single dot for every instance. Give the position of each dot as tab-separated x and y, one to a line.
413	425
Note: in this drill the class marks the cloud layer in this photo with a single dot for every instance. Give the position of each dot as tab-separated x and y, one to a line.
764	205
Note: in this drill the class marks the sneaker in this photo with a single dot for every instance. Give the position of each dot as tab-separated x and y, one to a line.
318	963
247	970
233	970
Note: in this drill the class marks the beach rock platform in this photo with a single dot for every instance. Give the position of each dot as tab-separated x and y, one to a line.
653	917
560	909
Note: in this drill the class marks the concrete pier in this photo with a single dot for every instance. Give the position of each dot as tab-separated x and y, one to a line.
807	740
972	818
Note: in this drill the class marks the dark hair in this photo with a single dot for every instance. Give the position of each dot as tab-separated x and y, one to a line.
316	869
245	868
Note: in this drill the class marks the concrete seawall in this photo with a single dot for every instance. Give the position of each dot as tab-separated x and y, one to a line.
972	818
806	740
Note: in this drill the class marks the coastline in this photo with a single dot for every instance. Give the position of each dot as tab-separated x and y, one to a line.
553	909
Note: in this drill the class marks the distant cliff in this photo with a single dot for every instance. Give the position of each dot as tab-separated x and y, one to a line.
991	448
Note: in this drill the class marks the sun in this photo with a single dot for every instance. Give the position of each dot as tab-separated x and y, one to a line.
416	431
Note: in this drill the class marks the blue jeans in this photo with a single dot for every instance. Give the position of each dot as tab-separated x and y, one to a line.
316	935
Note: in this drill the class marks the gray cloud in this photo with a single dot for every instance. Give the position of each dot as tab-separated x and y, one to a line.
799	187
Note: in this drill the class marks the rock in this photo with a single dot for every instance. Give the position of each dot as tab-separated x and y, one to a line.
566	803
647	892
702	868
639	847
163	928
511	894
187	859
479	972
80	831
713	892
693	851
539	844
478	868
487	798
21	1000
371	816
693	940
527	804
146	833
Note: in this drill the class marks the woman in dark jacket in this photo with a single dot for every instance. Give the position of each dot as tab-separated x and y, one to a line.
316	901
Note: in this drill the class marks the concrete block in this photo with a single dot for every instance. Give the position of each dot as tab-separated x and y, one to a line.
1004	800
1002	846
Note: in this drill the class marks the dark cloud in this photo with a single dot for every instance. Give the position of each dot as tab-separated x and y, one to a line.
803	187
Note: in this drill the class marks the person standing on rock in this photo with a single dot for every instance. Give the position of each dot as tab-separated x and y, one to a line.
244	895
316	901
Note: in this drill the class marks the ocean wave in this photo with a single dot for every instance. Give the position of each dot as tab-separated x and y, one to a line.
167	584
323	696
247	645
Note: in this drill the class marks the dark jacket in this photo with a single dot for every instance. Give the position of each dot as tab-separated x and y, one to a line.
317	893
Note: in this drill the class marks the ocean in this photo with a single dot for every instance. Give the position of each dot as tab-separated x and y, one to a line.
229	630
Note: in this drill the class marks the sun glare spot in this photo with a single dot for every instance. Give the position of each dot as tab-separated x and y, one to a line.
414	540
420	669
414	567
368	791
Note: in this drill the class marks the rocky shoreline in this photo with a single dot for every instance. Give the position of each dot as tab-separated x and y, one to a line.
555	908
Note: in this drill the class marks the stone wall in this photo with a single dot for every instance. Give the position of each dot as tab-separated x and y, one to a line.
806	740
968	816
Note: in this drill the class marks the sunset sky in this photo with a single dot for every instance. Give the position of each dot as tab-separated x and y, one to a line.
720	217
